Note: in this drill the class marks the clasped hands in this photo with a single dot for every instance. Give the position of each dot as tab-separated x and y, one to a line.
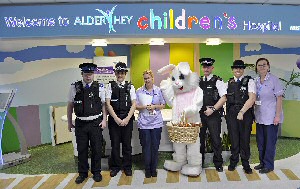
122	122
150	107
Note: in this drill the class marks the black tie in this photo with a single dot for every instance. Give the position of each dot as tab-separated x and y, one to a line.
238	80
205	79
87	86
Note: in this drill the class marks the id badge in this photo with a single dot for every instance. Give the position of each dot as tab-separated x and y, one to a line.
152	113
258	102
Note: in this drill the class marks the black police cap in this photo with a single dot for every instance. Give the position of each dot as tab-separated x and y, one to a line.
238	64
206	61
120	67
88	67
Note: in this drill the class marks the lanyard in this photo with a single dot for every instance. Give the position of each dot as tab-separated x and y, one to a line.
260	86
152	96
148	93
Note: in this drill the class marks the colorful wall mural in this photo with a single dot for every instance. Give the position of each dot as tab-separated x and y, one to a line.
43	75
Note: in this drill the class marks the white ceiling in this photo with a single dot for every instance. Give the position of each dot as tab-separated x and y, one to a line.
276	41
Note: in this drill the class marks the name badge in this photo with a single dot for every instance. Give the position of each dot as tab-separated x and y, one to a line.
258	102
152	113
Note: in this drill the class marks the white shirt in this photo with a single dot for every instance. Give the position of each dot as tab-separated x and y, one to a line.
251	84
108	91
72	92
221	86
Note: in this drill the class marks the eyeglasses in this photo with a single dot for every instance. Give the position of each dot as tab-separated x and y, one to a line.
262	65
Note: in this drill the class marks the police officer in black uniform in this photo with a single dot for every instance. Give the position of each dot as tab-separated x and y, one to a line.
121	103
87	98
241	94
214	97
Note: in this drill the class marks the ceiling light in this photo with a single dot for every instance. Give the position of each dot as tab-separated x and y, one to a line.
213	41
156	42
99	42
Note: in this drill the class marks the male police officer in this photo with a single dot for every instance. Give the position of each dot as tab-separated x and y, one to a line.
214	97
87	98
120	101
241	95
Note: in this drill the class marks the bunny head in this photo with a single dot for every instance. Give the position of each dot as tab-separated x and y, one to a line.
183	79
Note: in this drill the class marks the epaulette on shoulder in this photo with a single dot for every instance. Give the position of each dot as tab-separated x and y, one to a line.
218	77
76	82
231	80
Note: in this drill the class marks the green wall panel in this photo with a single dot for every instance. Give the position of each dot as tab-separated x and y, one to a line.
10	141
223	54
290	126
140	62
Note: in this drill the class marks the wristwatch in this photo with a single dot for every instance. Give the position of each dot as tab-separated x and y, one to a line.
213	108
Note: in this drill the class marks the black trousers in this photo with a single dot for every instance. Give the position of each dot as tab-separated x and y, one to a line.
120	134
239	132
88	133
213	123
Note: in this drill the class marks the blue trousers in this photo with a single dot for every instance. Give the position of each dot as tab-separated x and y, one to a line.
150	140
266	138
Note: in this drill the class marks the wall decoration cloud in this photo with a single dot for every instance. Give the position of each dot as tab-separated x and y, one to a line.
39	68
10	66
252	47
74	48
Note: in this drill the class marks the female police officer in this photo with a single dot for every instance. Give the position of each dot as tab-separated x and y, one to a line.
241	94
120	100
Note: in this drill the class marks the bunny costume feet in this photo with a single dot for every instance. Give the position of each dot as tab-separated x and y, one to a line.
172	165
188	164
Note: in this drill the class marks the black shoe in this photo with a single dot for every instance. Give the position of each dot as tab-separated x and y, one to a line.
128	172
219	169
114	172
231	167
154	173
248	170
97	177
80	179
147	174
259	166
265	170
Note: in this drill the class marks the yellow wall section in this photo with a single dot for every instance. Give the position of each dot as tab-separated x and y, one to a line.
140	62
180	52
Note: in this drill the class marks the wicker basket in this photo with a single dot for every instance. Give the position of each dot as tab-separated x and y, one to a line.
185	134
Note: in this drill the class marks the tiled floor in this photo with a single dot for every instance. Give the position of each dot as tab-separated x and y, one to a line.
286	175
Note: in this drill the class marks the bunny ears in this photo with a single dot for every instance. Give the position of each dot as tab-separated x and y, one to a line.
183	67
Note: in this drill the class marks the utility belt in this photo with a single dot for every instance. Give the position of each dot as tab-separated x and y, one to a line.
90	118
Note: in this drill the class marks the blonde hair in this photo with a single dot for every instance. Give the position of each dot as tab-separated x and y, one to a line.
149	72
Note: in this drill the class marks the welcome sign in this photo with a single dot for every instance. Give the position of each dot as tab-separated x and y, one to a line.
147	19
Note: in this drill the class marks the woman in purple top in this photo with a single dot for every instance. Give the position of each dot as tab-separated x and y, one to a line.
149	102
268	114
